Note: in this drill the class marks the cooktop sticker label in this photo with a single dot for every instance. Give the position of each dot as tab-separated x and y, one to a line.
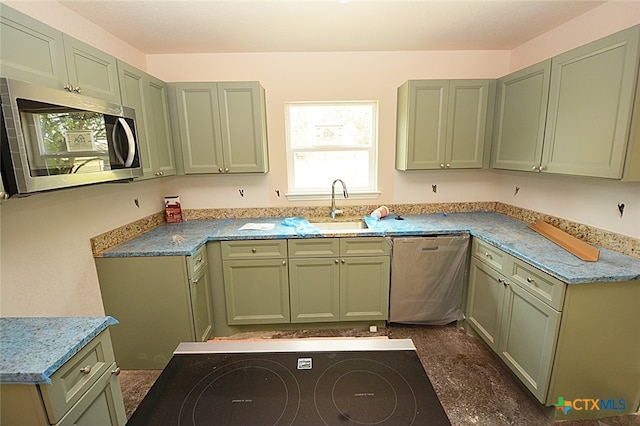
305	364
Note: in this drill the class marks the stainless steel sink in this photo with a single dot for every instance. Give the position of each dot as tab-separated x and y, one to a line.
343	227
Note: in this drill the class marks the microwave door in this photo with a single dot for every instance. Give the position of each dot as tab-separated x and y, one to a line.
123	148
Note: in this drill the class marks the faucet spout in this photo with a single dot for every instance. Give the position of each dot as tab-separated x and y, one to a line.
335	211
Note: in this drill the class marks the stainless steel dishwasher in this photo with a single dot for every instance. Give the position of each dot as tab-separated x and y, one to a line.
427	279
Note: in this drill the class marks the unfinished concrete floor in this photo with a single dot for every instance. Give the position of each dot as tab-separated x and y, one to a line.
473	385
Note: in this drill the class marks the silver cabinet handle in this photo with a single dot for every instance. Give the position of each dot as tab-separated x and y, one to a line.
337	261
448	165
116	371
530	280
220	169
226	170
86	370
77	89
284	262
343	261
487	254
442	165
253	250
195	281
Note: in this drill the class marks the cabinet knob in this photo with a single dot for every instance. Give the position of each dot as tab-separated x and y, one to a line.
195	280
343	261
442	165
337	261
116	371
530	280
226	170
253	250
86	370
4	195
284	262
220	169
68	87
534	168
541	168
448	165
487	254
77	89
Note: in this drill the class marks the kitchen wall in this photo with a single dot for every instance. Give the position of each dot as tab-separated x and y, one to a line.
46	265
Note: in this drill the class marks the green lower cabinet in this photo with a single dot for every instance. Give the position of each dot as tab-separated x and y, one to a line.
159	302
256	291
364	288
314	286
519	327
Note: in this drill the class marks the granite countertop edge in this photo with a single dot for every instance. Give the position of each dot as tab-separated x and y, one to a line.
34	348
510	235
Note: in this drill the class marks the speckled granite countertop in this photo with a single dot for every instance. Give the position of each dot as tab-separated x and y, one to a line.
33	348
510	235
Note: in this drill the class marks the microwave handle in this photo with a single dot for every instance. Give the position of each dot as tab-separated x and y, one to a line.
131	143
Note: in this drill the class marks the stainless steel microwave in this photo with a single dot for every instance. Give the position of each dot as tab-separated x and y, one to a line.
53	139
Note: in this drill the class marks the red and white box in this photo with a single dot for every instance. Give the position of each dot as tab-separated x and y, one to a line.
172	209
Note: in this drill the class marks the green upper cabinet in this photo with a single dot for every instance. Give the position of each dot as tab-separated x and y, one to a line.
148	96
573	114
30	50
34	52
590	107
222	127
520	118
443	124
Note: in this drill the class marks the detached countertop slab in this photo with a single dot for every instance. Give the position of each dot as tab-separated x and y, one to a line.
33	348
508	234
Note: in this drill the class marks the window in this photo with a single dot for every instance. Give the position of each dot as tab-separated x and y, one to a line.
328	141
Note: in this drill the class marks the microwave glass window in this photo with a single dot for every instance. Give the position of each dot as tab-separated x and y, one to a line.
64	141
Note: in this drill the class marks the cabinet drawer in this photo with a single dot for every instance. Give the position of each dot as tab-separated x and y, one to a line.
254	249
546	288
314	247
365	246
489	254
71	381
197	262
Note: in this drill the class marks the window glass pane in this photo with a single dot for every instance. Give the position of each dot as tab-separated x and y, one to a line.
330	125
316	170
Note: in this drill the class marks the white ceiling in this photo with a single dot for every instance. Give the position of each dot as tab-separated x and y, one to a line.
187	26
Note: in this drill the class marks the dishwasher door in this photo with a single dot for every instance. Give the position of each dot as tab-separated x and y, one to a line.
427	279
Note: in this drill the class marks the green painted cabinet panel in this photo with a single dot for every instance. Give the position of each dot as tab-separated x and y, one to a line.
520	118
148	96
256	291
528	335
590	106
364	288
34	52
443	124
30	50
148	294
485	297
92	70
314	286
222	127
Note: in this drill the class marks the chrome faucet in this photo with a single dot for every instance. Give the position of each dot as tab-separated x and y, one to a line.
335	211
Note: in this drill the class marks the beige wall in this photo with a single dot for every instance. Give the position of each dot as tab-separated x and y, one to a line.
46	265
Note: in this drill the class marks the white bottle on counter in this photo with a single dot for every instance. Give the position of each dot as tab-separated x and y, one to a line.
380	212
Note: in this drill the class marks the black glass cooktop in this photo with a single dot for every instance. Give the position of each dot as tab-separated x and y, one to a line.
326	387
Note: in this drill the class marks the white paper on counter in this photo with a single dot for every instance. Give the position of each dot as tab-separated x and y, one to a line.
257	226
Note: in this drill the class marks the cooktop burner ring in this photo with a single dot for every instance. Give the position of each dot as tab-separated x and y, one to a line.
366	392
269	379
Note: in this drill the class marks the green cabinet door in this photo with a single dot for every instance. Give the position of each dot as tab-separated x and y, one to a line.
159	127
485	300
243	127
364	288
256	291
468	126
201	305
528	335
521	107
93	71
421	124
443	124
590	106
30	50
198	117
314	289
148	96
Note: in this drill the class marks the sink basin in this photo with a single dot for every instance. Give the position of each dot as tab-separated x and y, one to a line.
340	226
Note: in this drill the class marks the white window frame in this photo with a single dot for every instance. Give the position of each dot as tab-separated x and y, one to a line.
371	191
